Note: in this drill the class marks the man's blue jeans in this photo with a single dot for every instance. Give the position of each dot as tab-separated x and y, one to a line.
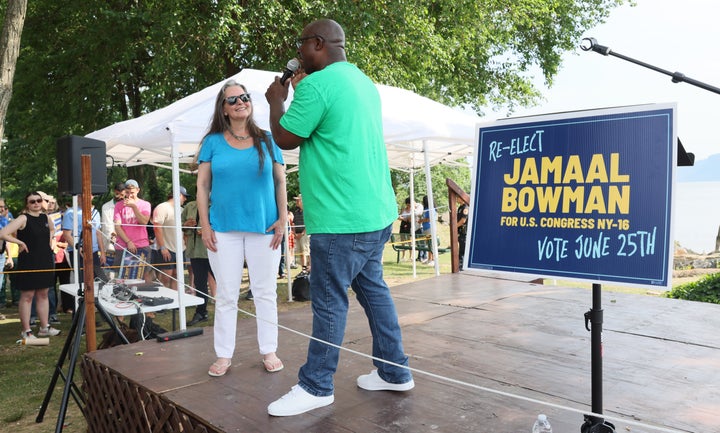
340	261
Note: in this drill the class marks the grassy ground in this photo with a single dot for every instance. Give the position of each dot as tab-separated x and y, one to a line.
25	371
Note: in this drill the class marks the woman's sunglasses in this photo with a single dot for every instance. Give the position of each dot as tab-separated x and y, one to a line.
35	201
232	100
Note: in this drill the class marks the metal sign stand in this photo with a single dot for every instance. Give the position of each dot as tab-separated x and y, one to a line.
593	323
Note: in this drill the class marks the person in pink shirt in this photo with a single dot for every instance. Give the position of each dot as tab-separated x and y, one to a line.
131	217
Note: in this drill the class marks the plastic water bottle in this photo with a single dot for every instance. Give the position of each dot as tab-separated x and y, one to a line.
542	425
34	341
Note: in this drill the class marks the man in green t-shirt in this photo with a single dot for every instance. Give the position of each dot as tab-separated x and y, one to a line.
336	120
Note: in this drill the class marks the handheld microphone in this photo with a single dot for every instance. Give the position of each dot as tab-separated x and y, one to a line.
290	68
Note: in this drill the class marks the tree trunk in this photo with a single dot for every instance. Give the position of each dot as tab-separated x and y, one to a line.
9	52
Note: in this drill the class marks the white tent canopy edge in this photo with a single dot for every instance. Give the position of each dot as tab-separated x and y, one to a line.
409	120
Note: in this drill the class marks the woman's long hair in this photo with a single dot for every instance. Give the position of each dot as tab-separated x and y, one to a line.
220	123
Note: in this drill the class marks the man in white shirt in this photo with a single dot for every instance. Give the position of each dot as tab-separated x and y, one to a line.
164	225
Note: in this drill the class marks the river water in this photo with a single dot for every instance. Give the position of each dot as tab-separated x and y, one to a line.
697	215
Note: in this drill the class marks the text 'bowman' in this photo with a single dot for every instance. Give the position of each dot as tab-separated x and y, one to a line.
564	184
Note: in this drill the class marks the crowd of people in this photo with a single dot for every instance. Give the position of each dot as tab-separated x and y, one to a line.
124	222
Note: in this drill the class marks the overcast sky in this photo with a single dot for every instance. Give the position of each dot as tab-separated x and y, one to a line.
672	35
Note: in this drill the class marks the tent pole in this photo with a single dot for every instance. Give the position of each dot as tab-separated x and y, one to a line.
180	260
287	260
433	211
413	218
76	239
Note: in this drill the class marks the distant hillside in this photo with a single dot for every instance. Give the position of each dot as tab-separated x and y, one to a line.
706	170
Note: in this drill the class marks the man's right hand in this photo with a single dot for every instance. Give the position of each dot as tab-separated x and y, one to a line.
277	92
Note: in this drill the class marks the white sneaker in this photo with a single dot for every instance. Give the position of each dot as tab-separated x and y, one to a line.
27	335
373	382
48	332
297	401
430	263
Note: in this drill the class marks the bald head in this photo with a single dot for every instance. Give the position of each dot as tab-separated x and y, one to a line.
328	49
330	30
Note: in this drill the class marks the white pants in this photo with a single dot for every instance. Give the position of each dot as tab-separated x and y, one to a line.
233	249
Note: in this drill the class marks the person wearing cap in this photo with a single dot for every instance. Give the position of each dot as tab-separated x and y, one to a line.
131	217
45	197
242	221
164	226
107	212
63	266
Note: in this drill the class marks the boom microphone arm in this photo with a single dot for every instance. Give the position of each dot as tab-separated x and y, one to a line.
590	44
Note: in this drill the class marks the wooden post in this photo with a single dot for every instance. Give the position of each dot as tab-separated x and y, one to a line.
454	191
454	241
87	228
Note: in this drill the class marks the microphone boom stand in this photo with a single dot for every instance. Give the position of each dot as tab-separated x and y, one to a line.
590	44
594	317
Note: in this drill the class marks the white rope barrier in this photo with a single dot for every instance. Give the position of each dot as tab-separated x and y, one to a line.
616	419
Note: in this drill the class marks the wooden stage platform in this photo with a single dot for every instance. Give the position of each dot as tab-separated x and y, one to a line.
661	366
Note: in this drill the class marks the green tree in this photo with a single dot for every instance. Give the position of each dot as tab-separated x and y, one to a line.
9	51
85	64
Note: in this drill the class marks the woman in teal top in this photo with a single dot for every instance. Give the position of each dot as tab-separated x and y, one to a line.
241	198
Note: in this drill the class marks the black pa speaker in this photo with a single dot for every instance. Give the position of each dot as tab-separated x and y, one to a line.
69	167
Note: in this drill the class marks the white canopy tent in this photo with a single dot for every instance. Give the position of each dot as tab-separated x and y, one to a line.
413	125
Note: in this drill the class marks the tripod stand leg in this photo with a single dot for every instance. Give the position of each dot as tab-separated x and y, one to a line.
71	372
72	347
72	342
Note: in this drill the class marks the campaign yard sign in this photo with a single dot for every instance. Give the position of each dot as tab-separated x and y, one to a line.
582	196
